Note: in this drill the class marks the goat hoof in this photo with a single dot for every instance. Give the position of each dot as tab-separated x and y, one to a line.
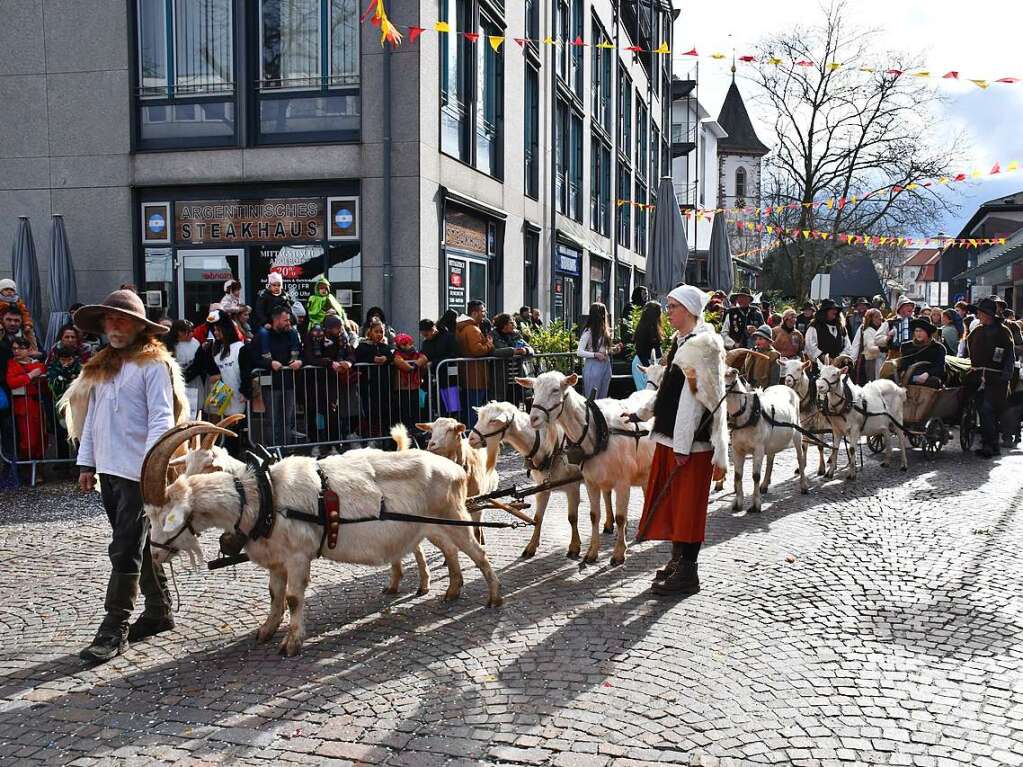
528	553
904	468
804	491
589	559
451	596
390	591
422	591
754	510
608	530
617	561
495	601
290	647
265	634
736	506
573	555
763	490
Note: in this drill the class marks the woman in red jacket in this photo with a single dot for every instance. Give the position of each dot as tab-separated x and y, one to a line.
27	380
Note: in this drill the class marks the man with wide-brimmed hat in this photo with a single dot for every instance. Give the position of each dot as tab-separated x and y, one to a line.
855	319
990	349
740	321
127	396
826	337
923	349
806	315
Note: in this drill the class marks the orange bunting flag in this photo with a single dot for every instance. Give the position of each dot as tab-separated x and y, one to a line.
442	27
388	32
413	34
495	41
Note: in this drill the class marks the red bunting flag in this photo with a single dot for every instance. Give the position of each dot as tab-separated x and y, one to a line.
634	49
959	177
804	63
472	37
747	59
413	34
1008	80
896	72
953	75
996	169
578	41
691	53
521	41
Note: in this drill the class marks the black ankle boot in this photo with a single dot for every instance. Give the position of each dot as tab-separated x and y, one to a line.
665	571
684	579
147	626
112	637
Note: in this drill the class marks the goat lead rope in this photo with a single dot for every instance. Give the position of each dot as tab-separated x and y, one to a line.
174	581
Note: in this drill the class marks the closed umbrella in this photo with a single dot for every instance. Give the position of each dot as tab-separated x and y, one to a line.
26	272
720	270
669	251
63	287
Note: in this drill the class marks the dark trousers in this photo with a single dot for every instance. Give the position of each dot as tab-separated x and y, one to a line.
129	544
990	403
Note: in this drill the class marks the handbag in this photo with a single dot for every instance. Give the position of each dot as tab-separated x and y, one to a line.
219	398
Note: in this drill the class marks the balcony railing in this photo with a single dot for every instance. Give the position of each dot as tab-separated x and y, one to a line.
686	192
683	133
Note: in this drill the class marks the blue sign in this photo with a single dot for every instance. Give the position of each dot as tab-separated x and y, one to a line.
344	218
156	223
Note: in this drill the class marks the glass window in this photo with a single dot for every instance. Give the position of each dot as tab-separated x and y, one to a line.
655	156
600	187
456	79
641	215
624	206
740	188
563	27
624	114
533	20
309	70
489	98
569	161
575	186
185	53
532	143
344	270
531	267
562	128
600	271
642	139
575	78
601	79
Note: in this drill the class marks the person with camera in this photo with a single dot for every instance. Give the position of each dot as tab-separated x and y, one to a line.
474	334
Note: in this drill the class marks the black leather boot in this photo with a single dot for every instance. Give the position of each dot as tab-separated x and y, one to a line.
676	555
684	579
112	637
156	617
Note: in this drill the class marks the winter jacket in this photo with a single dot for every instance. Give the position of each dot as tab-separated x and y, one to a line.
472	343
317	305
265	302
27	326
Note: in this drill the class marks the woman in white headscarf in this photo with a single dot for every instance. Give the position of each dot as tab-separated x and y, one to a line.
677	493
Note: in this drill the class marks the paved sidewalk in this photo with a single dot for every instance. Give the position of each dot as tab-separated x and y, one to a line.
875	622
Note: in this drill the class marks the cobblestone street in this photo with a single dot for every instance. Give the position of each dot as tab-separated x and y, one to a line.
877	622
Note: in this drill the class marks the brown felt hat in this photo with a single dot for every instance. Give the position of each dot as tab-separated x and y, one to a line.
89	319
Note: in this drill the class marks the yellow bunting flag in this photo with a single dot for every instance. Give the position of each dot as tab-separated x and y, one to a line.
717	56
868	69
774	61
833	66
662	49
441	26
922	73
548	40
980	83
604	44
1014	165
495	42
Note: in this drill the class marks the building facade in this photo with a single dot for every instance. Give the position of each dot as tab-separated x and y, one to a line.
976	271
189	141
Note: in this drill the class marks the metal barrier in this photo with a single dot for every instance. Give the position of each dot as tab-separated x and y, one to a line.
32	433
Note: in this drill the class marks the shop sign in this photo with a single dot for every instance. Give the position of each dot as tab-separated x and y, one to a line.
568	261
342	218
238	221
456	284
465	232
156	223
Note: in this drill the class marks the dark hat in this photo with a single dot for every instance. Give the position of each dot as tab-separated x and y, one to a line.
89	319
331	321
861	300
827	304
988	306
62	350
809	305
971	309
764	331
741	292
923	324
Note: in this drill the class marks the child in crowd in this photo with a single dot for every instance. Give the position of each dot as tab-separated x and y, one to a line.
232	300
410	364
9	295
62	370
26	380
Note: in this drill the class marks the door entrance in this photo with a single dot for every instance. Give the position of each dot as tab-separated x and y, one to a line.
201	278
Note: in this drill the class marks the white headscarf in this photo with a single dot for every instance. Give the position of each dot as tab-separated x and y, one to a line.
692	298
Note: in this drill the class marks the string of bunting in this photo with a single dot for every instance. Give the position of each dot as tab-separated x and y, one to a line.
842	202
389	34
869	239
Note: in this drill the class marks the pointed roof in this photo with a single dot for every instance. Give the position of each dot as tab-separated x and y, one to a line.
734	118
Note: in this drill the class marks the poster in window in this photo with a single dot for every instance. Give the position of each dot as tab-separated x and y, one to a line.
456	285
156	223
342	218
558	309
298	265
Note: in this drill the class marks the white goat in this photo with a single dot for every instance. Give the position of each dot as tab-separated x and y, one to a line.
503	422
447	440
855	411
757	418
795	375
623	464
409	482
204	457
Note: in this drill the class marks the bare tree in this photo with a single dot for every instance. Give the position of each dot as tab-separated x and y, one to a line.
849	131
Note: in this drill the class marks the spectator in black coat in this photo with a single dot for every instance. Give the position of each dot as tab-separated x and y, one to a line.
375	380
272	296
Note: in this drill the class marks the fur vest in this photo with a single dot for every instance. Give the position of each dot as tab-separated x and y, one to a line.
74	405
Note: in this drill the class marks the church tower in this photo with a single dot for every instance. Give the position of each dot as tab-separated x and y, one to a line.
739	154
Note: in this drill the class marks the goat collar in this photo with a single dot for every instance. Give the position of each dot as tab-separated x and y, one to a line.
751	403
845	397
499	433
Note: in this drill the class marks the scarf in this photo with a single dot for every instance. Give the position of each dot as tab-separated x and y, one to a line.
105	365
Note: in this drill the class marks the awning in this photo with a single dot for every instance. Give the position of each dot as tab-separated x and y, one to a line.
471	202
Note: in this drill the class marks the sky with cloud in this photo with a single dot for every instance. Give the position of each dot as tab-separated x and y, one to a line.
979	39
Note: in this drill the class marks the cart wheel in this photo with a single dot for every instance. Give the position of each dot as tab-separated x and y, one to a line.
917	441
967	428
935	435
875	442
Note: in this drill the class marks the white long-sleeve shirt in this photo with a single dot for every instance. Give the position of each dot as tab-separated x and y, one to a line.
127	415
584	349
813	349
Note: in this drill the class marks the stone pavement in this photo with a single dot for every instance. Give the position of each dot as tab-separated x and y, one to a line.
879	622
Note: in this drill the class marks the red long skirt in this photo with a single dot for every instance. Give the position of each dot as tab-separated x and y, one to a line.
681	514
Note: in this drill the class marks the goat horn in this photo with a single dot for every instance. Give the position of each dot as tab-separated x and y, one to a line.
154	467
225	423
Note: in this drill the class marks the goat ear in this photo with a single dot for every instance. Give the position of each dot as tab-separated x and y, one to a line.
526	383
177	461
845	370
424	426
459	428
174	522
570	380
475	409
808	364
